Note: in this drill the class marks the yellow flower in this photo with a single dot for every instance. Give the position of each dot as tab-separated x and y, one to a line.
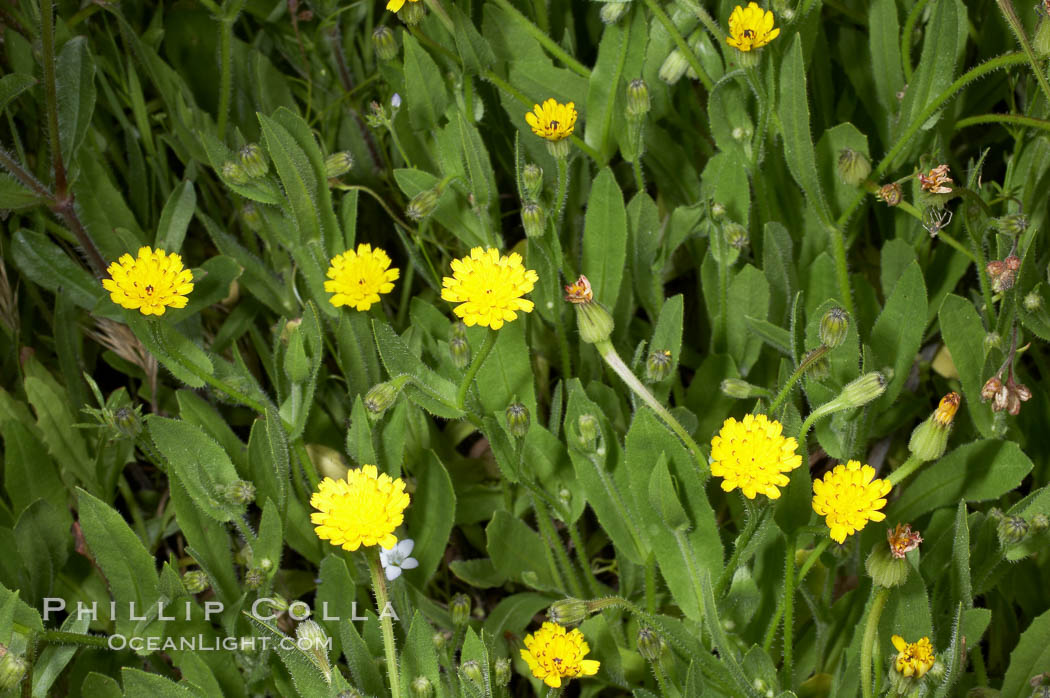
150	284
552	121
913	659
357	278
946	410
552	653
751	28
396	5
753	455
489	287
849	497
363	509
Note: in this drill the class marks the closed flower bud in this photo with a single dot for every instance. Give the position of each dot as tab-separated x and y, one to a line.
863	390
738	389
612	12
649	644
421	687
1038	523
502	671
673	67
930	439
518	419
533	219
658	366
885	569
254	578
532	181
1012	224
1012	530
472	670
833	327
313	640
423	203
385	43
195	581
459	607
253	160
440	640
638	104
251	217
594	322
853	167
338	164
568	612
458	346
411	13
1033	302
234	173
737	236
992	340
127	421
240	492
890	193
588	427
382	395
12	669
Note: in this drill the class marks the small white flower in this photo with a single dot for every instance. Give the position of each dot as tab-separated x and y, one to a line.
397	559
395	101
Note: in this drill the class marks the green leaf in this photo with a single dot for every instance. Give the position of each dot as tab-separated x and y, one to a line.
297	175
884	35
473	48
430	391
507	374
205	545
54	659
12	85
962	588
425	94
964	335
176	217
1031	656
479	167
748	297
605	239
309	680
897	334
977	472
75	82
198	463
14	195
419	657
54	416
47	265
29	473
604	99
432	515
41	535
794	117
517	550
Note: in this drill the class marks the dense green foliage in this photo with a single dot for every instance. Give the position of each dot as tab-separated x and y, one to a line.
719	219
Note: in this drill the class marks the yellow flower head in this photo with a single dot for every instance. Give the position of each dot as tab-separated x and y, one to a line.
849	497
751	28
553	653
552	121
150	284
363	509
945	412
396	5
915	658
358	277
489	287
753	455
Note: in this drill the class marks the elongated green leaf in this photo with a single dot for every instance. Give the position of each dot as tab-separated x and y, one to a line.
964	334
14	195
885	50
517	550
605	238
47	265
199	464
1031	656
897	334
309	680
297	176
75	78
29	473
794	118
430	391
176	217
12	85
430	520
962	588
425	95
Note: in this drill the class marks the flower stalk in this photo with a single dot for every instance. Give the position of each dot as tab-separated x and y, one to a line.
475	366
380	591
867	645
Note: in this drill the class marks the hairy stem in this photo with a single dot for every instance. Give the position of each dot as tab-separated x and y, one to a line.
475	366
379	589
680	42
871	629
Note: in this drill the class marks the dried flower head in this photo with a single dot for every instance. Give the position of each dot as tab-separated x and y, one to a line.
890	193
947	408
902	540
579	291
937	181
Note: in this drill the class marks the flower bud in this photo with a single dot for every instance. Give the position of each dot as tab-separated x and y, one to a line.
1012	530
853	167
593	321
411	13
127	421
313	640
253	161
1041	40
673	67
890	193
649	644
532	181
350	693
440	640
863	390
385	43
12	669
930	439
472	670
338	164
502	671
423	203
533	219
568	612
885	569
588	427
1033	302
736	235
658	366
1038	523
458	346
518	419
421	687
240	492
638	104
459	607
254	578
613	12
738	389
559	150
195	581
234	173
833	327
251	217
1012	224
382	395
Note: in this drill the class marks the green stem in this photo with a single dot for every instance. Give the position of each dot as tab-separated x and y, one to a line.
439	10
871	629
545	40
771	630
225	72
808	361
557	558
59	637
593	586
650	583
608	353
680	42
553	692
789	612
639	178
475	365
754	518
838	248
308	465
900	474
542	16
1016	119
379	589
47	44
909	31
1007	8
563	190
